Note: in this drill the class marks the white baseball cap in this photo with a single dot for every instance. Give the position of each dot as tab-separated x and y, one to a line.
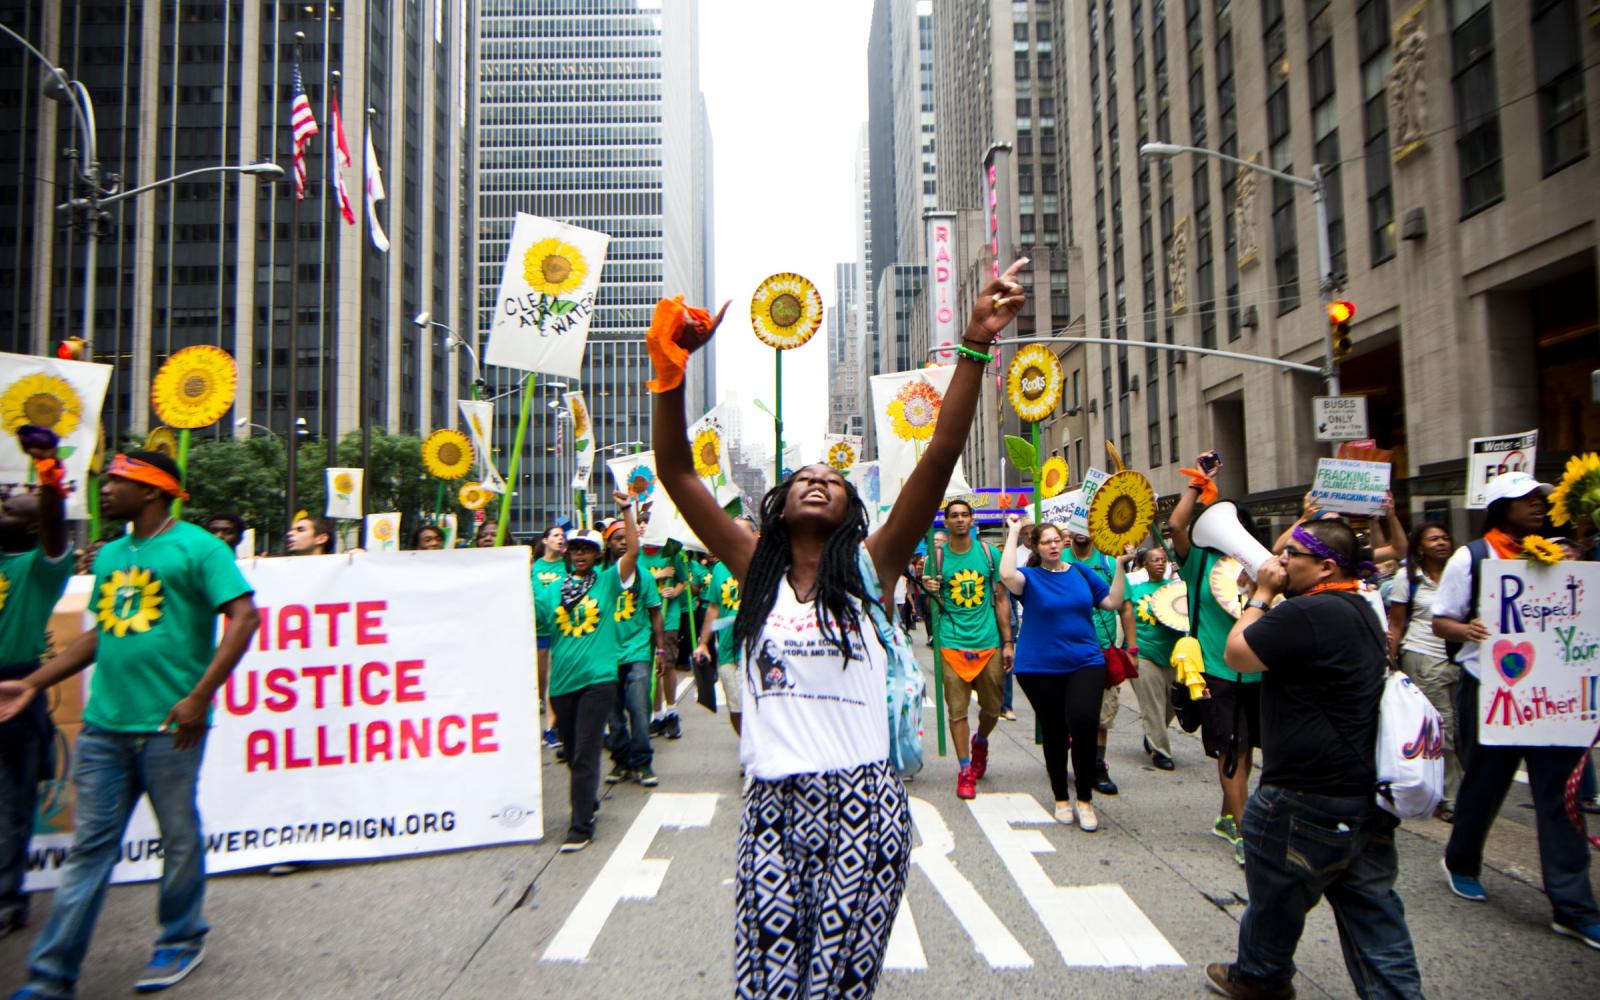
585	538
1514	485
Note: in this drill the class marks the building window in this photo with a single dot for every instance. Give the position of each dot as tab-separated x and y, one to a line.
1477	105
1372	40
1557	58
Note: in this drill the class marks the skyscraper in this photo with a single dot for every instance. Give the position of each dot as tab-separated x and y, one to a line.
589	111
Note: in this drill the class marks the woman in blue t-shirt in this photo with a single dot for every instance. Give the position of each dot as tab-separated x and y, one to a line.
1059	663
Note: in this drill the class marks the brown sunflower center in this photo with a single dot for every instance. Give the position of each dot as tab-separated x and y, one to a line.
785	310
555	268
1122	514
194	386
1033	383
449	453
638	485
43	410
708	453
1052	476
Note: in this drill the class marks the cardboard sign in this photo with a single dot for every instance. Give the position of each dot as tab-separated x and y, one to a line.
1540	666
1350	487
1488	457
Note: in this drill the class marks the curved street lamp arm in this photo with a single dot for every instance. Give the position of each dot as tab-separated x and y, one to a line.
243	168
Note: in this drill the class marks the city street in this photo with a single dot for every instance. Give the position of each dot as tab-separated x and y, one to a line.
1001	901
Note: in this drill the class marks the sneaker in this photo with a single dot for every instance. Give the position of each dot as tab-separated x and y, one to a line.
646	776
1064	814
1462	885
31	992
1087	820
561	754
287	868
1009	716
1238	851
1445	814
619	774
168	967
1161	761
1589	934
966	784
1220	979
1102	780
980	758
551	739
671	727
1225	828
657	726
575	842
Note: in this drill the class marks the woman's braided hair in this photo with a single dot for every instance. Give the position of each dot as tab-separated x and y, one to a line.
838	574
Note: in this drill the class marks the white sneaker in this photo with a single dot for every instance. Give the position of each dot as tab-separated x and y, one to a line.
1064	814
1087	820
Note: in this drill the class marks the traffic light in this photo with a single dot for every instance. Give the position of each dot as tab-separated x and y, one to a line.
1340	312
70	349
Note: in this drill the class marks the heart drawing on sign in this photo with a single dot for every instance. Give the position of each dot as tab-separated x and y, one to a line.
1513	659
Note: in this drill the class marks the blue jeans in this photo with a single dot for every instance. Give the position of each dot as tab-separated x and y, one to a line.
1301	847
630	717
110	774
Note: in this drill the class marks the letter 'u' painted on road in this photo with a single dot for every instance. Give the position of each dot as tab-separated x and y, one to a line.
628	874
1092	925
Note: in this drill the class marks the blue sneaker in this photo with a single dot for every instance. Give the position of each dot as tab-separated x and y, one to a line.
1589	934
551	740
31	992
168	967
1464	886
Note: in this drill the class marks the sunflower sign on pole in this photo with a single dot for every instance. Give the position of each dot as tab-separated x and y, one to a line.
1121	509
447	455
1033	384
905	407
194	388
785	312
582	450
635	475
344	493
841	450
479	416
709	449
64	397
383	532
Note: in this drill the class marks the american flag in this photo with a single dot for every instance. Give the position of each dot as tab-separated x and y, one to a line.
304	126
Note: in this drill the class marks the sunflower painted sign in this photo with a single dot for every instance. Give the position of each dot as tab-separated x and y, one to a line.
547	297
635	475
478	414
582	439
64	396
868	481
841	450
344	493
708	448
905	407
383	532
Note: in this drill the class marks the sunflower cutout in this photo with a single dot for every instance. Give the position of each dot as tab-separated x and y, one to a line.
1033	382
1576	497
473	496
580	417
786	310
966	588
195	387
344	482
626	606
1053	477
1224	583
1121	512
582	620
708	452
1114	456
1541	550
383	530
41	399
447	454
1170	605
129	602
162	441
641	482
554	267
914	410
1142	611
841	456
730	594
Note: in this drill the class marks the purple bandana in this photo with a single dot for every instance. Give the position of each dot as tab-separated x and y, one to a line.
1322	550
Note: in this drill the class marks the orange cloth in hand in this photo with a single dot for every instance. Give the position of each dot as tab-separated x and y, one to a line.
676	331
1208	489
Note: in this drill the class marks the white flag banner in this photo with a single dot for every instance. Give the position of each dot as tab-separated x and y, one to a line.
708	446
479	417
421	737
375	194
344	493
635	475
841	450
449	525
383	532
64	396
869	484
247	545
582	439
905	407
547	296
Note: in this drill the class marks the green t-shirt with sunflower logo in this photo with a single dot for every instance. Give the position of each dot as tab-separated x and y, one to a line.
583	638
1155	639
545	575
635	638
667	571
30	585
966	616
155	605
724	590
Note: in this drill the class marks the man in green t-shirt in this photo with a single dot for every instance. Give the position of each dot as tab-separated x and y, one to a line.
721	596
1230	719
1153	686
35	564
158	666
1111	628
974	624
672	583
640	646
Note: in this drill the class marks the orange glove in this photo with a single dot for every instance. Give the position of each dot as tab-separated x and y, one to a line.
676	331
1208	489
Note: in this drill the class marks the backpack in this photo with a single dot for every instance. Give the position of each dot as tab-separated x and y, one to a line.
1478	549
906	685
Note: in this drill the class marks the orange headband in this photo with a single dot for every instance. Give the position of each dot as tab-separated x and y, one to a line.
143	472
612	528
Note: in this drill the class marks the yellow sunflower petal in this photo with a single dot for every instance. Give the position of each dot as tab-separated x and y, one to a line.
1053	477
1121	512
554	267
1033	382
786	310
194	387
41	399
447	454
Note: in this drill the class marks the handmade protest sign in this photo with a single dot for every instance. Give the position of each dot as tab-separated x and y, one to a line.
1540	666
1487	457
1349	486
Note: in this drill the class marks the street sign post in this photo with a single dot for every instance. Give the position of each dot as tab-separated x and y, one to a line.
1340	418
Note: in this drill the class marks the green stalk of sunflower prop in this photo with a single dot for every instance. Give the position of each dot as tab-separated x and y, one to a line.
516	460
183	467
438	502
777	417
94	506
1038	509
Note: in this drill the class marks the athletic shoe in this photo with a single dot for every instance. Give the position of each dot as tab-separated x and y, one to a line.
575	842
671	727
39	993
1238	851
619	774
966	784
1462	885
1064	814
646	776
551	739
287	868
1220	979
1087	820
1161	761
1589	934
1009	716
1225	828
1102	780
168	967
980	758
657	726
561	754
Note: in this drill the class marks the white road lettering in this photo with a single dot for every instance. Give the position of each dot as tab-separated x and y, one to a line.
628	874
904	953
1095	925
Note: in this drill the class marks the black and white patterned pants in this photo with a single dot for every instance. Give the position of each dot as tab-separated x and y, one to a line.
822	863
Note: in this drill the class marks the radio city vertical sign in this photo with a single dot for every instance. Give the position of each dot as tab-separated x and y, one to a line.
944	328
997	204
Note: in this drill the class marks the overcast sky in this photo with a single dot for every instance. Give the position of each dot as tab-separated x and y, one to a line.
786	87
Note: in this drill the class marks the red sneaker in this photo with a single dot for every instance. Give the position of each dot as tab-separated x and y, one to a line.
966	784
980	759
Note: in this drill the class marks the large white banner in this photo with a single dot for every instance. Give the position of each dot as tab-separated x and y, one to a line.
905	406
64	396
364	722
1540	666
547	297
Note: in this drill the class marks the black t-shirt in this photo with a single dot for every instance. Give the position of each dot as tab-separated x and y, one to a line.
1319	697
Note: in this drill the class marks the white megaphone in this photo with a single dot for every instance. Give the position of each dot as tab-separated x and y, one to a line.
1219	528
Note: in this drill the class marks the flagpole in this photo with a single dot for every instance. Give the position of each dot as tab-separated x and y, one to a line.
366	424
292	445
330	256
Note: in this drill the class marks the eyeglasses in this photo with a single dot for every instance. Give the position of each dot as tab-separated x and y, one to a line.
1291	553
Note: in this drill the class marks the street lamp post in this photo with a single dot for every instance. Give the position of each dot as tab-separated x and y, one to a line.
1315	185
424	320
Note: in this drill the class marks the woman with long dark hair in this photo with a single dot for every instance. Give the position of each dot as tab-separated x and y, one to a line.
825	841
1420	653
